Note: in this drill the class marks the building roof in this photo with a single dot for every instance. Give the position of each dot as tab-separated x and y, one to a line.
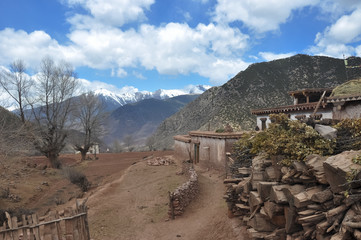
343	98
182	138
310	90
286	109
211	134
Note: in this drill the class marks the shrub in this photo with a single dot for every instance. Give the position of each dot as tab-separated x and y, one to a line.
76	177
348	135
292	139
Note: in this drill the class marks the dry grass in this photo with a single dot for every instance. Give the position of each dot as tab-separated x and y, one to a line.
349	88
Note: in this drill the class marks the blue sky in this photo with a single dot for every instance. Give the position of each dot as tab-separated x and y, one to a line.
170	44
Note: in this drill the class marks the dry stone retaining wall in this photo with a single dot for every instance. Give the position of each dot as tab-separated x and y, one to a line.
184	194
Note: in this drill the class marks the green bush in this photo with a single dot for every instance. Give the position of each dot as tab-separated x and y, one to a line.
291	139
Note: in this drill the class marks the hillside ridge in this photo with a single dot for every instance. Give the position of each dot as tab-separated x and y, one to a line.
261	85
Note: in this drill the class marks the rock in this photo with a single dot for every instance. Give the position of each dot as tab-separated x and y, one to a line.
338	168
326	131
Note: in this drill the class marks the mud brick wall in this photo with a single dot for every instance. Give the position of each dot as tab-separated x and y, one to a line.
184	194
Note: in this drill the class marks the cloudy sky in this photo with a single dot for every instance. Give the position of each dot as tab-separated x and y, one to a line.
152	44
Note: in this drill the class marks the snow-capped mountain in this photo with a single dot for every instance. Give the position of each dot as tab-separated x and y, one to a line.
113	100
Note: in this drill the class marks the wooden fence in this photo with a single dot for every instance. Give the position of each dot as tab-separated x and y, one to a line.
69	224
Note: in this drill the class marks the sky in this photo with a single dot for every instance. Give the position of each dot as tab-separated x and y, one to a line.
170	44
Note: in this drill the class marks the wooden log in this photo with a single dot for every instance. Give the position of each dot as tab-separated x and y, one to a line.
352	224
322	196
278	234
253	234
299	166
315	207
257	176
272	209
277	194
244	170
261	224
351	199
264	189
254	200
336	211
316	218
357	234
302	199
232	180
307	212
323	226
291	191
242	206
337	236
291	225
335	220
271	173
328	205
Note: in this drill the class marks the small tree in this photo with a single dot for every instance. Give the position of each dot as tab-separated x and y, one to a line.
129	141
116	146
90	115
17	84
150	143
56	84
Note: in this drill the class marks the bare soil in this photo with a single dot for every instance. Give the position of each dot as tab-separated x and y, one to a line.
128	198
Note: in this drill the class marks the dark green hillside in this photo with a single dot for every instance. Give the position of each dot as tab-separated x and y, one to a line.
261	85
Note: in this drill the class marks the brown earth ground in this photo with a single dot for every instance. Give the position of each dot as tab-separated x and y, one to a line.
128	198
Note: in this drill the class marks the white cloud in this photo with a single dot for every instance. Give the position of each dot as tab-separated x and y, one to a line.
269	56
139	75
339	38
32	47
111	12
170	49
259	15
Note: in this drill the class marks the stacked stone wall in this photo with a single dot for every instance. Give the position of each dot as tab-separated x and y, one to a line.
184	194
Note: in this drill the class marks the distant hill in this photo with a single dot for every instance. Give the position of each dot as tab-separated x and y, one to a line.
141	119
261	85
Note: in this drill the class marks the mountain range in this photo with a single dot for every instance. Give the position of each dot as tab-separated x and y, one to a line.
261	85
140	119
113	100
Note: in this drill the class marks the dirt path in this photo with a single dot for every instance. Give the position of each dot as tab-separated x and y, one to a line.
134	206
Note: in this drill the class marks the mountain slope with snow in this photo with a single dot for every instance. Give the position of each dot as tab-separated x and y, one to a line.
114	100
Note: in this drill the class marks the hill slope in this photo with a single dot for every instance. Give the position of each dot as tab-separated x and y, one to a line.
141	119
260	85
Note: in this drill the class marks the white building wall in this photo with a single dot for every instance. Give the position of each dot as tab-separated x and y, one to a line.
326	114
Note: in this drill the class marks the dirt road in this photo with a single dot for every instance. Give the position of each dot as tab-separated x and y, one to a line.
134	206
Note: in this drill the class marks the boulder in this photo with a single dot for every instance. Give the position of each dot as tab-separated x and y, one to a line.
338	169
326	131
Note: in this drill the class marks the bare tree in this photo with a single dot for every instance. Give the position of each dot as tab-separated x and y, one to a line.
16	84
129	141
56	84
90	115
14	140
150	142
117	146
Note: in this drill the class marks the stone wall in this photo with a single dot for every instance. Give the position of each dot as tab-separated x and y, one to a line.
184	194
